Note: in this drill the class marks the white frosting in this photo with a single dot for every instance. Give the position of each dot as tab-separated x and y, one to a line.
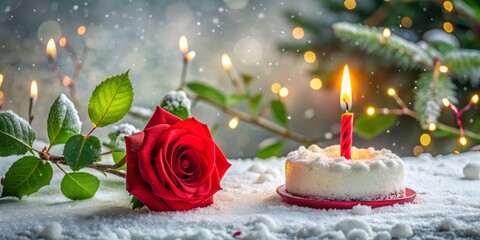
322	173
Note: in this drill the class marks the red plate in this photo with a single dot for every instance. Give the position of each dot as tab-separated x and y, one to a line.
328	204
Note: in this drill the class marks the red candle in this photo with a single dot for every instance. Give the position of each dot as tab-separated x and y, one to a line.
346	128
346	135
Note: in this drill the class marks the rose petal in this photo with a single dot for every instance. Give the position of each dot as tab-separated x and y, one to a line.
145	155
161	116
194	127
134	182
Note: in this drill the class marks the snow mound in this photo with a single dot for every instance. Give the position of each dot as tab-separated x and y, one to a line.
401	230
311	231
265	178
472	171
52	231
357	234
361	210
447	224
257	168
384	235
348	225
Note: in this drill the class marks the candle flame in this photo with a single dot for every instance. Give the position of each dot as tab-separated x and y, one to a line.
34	90
346	92
234	122
1	79
226	62
183	44
190	55
51	48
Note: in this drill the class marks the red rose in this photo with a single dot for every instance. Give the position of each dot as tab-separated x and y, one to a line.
174	164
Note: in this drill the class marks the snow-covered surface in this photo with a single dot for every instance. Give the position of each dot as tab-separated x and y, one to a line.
447	206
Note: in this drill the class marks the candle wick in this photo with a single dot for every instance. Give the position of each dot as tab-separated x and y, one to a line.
346	105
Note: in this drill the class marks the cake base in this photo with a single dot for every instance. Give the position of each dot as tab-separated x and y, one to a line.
331	204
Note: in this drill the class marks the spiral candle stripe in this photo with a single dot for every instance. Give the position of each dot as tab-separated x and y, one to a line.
346	135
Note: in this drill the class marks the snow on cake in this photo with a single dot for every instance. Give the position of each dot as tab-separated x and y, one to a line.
322	174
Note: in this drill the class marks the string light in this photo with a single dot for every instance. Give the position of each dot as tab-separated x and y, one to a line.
425	139
81	30
432	127
417	150
406	22
445	102
448	6
67	81
448	27
309	57
443	69
283	92
316	83
298	33
391	92
276	88
458	114
473	100
370	111
350	4
62	42
1	80
386	33
234	122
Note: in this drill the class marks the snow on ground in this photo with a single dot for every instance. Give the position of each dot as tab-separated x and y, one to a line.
447	207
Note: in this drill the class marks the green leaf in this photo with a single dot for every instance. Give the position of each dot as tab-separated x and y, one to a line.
16	135
81	151
247	78
270	149
441	134
26	176
205	91
429	95
256	103
236	99
370	126
79	185
136	204
117	156
279	112
63	121
111	100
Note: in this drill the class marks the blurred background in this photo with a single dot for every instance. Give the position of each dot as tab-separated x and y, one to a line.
289	44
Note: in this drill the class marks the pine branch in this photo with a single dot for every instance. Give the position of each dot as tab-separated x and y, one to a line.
432	87
395	49
464	64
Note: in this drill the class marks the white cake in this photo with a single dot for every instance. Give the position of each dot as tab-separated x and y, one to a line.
321	173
